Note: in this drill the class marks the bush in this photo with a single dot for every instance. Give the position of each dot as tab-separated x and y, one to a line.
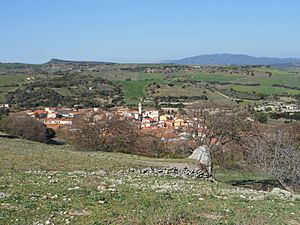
3	112
276	153
25	127
102	131
261	117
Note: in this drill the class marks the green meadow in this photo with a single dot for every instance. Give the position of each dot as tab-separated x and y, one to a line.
134	83
44	184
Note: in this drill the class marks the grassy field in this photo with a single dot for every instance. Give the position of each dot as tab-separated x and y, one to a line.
216	77
12	79
265	87
55	184
278	77
180	90
64	91
134	89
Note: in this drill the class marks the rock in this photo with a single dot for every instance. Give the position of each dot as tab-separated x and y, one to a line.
281	193
74	188
80	212
258	197
243	197
4	195
296	197
103	186
131	170
202	155
102	172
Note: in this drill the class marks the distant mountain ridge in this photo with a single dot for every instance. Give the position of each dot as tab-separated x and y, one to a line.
232	59
207	59
62	61
287	65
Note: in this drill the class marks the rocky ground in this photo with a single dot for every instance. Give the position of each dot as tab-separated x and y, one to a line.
109	188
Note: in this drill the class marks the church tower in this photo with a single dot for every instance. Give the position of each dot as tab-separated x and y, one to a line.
140	108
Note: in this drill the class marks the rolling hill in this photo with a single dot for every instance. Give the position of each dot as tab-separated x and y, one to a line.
73	62
232	59
47	184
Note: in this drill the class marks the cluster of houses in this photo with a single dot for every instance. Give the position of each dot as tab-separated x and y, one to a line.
4	105
30	78
278	107
56	118
168	69
152	119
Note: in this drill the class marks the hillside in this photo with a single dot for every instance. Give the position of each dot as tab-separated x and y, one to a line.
232	59
43	184
295	65
53	62
125	84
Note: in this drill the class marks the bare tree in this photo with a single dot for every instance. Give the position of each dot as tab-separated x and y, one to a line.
277	154
151	144
123	135
86	133
215	124
102	131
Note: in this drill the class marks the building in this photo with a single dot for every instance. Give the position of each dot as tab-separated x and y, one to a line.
179	122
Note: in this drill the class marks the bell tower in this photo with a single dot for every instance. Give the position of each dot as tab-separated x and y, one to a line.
140	108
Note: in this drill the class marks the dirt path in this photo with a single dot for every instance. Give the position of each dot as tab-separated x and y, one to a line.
225	96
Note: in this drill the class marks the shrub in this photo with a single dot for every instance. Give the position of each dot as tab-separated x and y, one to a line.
261	117
25	127
277	154
101	131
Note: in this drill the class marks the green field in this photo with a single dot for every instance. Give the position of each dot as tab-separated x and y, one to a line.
55	184
278	77
216	77
264	89
134	89
12	79
134	80
63	91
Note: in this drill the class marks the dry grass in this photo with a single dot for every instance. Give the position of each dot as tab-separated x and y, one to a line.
54	184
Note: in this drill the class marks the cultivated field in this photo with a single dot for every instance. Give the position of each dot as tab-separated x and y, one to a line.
135	78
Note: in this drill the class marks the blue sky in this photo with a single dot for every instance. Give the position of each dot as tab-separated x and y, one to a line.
34	31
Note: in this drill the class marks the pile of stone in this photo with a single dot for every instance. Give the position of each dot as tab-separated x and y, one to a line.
4	195
171	171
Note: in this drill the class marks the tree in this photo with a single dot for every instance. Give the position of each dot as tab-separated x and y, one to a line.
215	124
102	131
3	112
123	136
151	144
25	127
50	133
261	117
276	153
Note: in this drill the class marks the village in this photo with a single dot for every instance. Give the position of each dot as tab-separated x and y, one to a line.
170	126
278	107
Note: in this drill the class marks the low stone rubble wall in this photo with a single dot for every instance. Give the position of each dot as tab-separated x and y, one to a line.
171	171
